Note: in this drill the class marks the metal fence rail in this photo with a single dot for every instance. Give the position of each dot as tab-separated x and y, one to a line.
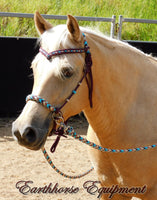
122	19
112	20
64	17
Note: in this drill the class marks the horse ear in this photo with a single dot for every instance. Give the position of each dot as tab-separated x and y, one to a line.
41	24
73	28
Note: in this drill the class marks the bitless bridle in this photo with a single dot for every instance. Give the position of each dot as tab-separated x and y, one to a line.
63	129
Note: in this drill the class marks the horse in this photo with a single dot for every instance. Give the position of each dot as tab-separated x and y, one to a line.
123	113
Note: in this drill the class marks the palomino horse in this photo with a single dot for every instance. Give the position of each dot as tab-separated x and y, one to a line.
124	111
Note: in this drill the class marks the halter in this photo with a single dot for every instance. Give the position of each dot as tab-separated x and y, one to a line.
57	110
64	130
87	69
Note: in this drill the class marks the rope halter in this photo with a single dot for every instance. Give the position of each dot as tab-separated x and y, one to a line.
64	130
57	110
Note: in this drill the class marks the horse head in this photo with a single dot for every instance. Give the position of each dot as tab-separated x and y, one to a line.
54	80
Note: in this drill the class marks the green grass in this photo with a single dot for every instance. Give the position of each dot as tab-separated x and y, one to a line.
145	9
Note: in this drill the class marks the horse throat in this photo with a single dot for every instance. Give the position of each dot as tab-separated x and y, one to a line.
114	89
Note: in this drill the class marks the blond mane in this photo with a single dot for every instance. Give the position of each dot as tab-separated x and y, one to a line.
113	43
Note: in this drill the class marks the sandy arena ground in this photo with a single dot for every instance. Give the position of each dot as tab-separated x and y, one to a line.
20	164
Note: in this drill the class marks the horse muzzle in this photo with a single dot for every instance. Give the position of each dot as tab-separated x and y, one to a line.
30	137
32	131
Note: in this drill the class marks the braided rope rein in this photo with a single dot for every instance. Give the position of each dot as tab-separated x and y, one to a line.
70	132
47	157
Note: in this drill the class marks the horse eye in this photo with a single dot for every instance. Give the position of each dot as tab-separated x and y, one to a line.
67	72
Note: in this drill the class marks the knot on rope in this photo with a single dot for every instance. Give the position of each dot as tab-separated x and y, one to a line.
60	133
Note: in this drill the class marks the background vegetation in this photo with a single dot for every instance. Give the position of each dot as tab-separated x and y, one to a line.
146	9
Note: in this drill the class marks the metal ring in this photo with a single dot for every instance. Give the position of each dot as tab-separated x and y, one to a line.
58	117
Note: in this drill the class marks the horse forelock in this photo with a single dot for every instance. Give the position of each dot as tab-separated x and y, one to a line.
51	39
54	39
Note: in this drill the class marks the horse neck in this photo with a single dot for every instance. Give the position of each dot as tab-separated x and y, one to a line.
115	77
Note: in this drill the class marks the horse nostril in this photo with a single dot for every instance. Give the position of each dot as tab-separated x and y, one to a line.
29	135
17	135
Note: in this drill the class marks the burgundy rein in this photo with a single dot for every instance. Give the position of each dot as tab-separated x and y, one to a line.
87	70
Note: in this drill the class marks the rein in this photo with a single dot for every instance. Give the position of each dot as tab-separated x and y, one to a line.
64	130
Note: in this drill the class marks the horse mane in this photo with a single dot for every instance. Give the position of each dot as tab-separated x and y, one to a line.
112	43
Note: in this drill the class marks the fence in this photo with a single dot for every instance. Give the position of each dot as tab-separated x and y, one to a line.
122	19
112	20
